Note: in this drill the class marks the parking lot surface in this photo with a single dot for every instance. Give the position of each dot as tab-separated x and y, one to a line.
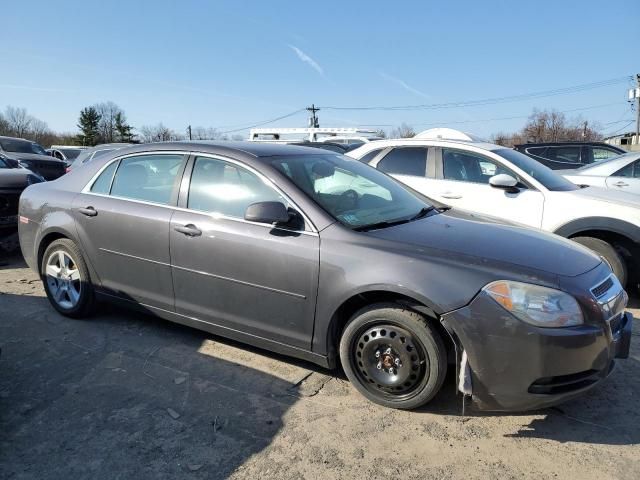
124	395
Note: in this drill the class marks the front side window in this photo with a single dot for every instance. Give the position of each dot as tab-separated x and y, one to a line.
147	177
405	161
227	189
470	167
630	171
358	196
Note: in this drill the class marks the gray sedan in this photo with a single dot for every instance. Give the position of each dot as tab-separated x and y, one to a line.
618	173
314	255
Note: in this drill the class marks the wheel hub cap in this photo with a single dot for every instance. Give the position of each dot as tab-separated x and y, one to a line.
389	359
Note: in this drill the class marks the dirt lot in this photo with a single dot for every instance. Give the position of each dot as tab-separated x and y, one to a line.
127	396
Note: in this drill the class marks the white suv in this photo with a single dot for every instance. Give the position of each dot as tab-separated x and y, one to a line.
461	171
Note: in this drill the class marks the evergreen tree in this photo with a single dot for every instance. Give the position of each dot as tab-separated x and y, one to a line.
124	130
88	125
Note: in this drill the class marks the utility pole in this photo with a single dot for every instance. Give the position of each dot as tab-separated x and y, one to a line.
313	119
637	96
189	131
584	130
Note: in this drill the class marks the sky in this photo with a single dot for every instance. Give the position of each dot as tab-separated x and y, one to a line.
232	64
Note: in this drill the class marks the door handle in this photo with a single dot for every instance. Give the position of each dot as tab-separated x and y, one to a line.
88	211
450	195
621	184
189	230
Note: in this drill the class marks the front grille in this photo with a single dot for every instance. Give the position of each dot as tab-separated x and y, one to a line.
616	325
599	290
9	203
564	383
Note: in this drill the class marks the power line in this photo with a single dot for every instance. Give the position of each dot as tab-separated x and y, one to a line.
265	122
491	101
620	129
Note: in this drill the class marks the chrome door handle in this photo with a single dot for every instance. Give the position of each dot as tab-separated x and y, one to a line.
451	195
621	184
88	211
189	230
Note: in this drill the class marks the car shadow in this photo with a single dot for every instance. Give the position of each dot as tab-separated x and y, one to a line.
123	395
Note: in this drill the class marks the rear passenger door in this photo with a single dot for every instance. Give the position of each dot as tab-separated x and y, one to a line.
122	218
407	164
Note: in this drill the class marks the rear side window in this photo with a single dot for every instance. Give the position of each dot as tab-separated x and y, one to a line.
564	154
225	188
405	161
103	182
147	177
371	155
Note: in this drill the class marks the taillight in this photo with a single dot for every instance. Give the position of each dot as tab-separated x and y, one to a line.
67	170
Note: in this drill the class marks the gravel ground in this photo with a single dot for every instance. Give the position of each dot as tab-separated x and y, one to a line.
124	395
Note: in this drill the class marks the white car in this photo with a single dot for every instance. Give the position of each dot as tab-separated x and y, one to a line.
618	173
461	171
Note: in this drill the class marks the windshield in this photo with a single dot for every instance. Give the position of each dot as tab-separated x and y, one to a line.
355	194
543	174
21	146
70	153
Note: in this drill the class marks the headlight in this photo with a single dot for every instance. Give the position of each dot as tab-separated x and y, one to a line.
536	305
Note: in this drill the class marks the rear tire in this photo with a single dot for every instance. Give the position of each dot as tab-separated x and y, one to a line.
66	279
608	253
393	356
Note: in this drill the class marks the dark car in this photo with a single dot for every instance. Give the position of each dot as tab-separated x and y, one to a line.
568	155
19	152
12	182
318	256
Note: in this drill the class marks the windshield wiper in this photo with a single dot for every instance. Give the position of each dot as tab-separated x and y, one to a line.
378	225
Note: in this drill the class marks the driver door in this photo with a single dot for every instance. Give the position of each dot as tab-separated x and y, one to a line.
462	180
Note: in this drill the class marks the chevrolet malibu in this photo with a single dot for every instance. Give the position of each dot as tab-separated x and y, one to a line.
317	256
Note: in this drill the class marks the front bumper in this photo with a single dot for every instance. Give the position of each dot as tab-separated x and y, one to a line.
517	366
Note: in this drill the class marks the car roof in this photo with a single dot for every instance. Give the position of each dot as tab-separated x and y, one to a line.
253	149
406	142
604	168
16	138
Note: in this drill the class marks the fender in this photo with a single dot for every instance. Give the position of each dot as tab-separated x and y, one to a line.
606	224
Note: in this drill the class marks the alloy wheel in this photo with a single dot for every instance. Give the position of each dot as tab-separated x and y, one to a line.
63	279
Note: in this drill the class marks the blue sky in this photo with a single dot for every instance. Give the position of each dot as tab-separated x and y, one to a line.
228	64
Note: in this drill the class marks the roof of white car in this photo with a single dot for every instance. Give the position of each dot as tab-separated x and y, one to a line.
438	136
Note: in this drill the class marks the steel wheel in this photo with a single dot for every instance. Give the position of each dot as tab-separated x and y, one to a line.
390	360
63	279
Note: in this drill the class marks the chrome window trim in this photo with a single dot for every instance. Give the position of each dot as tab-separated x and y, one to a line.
216	216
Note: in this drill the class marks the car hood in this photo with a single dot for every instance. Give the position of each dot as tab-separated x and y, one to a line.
615	197
31	156
11	178
490	240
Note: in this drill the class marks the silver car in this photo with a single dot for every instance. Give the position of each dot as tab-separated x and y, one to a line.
618	173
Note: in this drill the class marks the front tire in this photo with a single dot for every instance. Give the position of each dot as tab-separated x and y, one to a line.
66	279
608	253
393	356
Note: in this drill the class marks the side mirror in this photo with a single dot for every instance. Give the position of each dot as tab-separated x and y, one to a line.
504	182
267	212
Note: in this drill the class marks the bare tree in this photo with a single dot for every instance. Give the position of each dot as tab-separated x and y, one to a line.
202	133
403	131
19	120
381	133
158	133
553	126
237	138
109	113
